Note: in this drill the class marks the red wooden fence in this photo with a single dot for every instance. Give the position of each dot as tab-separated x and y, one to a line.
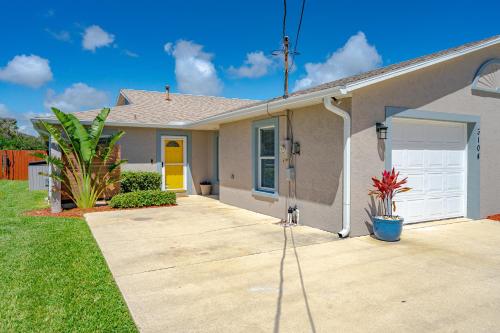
14	163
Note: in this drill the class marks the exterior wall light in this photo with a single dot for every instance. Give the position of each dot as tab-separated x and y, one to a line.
381	131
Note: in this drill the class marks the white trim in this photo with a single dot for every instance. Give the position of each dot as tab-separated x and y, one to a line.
272	106
165	138
259	187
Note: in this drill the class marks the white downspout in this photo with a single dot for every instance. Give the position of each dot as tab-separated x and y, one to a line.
346	173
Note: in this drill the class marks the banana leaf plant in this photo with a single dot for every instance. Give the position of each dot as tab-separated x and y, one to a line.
87	167
387	188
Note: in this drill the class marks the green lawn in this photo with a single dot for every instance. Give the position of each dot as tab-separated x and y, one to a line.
53	277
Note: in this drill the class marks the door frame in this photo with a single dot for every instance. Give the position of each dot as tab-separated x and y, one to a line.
163	140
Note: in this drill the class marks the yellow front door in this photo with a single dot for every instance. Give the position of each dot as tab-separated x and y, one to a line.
174	164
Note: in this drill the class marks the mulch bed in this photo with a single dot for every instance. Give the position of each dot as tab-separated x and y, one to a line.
78	213
495	217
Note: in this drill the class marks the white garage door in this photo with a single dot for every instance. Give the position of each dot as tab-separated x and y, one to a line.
433	156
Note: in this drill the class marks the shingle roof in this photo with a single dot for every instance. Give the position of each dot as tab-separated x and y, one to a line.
151	107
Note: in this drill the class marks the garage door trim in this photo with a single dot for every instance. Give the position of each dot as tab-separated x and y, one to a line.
473	147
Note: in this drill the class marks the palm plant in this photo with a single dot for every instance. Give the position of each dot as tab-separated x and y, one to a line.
86	170
387	188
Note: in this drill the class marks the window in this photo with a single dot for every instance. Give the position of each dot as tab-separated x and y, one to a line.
265	155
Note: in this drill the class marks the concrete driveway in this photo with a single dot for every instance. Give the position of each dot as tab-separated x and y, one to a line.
208	267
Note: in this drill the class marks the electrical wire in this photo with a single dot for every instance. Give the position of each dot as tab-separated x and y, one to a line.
298	34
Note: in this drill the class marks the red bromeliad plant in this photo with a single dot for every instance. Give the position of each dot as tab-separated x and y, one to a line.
386	189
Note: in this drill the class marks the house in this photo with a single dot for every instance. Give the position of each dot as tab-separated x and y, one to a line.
435	118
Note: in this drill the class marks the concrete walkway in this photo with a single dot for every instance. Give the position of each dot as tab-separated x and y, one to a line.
208	267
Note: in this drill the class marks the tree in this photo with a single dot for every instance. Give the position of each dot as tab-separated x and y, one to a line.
11	138
82	148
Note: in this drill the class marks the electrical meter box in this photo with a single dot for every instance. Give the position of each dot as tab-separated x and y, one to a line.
286	149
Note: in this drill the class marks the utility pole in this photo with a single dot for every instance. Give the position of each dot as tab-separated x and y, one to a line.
285	51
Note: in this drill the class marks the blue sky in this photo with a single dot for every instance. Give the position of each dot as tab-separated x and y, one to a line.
78	54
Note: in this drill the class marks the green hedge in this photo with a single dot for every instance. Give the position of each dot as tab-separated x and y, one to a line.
143	199
132	181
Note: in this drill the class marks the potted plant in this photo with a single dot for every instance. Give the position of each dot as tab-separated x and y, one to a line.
206	187
388	227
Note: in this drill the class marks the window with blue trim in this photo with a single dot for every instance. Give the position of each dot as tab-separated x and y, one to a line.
266	158
265	155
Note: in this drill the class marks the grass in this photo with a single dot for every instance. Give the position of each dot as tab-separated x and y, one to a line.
53	277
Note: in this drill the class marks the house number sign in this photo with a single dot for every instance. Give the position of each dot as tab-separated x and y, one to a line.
478	147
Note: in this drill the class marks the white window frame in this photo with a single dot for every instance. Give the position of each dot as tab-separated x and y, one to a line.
260	158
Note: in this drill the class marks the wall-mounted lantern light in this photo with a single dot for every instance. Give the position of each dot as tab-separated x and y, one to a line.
381	131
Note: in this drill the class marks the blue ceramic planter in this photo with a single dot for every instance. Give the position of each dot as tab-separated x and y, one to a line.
388	230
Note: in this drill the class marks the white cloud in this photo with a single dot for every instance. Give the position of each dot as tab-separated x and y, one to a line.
95	37
4	111
131	54
30	70
63	35
355	57
76	98
256	65
168	47
194	71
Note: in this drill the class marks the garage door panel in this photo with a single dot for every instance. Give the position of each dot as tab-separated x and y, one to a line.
455	158
416	182
415	159
454	182
433	157
435	182
435	207
399	159
454	205
414	209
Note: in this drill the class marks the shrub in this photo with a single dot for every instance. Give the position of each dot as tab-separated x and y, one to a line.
143	199
140	181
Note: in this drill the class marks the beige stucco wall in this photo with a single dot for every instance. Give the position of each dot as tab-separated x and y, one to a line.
202	159
443	88
318	168
139	147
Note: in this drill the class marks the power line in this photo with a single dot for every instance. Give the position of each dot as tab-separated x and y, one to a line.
298	33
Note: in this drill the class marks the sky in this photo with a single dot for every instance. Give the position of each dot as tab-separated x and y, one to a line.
77	55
